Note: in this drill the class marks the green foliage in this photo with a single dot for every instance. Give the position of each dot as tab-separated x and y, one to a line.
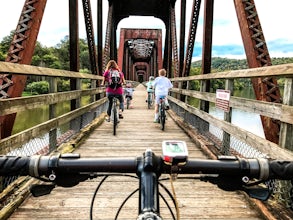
63	85
2	55
5	44
35	88
223	64
220	64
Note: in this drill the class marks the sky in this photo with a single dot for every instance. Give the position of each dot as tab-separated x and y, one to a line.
227	42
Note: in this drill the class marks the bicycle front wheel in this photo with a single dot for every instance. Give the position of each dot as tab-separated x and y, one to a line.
115	120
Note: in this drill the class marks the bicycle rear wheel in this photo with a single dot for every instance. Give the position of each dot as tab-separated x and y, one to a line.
115	119
162	116
127	102
149	100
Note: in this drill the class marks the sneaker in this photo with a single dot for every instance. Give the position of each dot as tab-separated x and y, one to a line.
120	116
107	119
156	121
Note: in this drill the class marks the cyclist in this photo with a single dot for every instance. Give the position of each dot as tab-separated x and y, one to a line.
150	87
128	92
162	86
114	78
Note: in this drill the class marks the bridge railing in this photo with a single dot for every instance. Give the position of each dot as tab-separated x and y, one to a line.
229	138
219	136
48	135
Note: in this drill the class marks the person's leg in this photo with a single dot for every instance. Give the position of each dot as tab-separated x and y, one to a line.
167	106
157	99
110	98
121	106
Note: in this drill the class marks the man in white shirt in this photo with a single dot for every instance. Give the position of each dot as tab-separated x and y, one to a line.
162	86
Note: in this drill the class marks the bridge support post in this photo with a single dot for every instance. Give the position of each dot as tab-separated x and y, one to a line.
52	114
227	118
286	131
265	88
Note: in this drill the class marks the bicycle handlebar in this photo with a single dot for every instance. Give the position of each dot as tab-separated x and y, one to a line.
38	166
228	173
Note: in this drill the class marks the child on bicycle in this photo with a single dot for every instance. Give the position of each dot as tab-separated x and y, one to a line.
162	86
128	92
114	78
150	88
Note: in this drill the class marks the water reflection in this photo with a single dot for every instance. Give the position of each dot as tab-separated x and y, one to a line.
245	120
29	118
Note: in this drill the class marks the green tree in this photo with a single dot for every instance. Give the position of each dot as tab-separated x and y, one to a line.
5	43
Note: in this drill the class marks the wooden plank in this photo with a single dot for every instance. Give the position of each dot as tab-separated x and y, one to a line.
14	68
13	105
197	200
285	70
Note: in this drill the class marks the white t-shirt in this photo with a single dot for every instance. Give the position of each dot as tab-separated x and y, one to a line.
162	85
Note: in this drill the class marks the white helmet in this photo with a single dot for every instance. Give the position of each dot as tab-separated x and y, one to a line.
151	78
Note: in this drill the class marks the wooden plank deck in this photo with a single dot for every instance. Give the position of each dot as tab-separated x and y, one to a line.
136	132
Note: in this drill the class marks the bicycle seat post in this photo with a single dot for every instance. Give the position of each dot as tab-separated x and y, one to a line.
148	193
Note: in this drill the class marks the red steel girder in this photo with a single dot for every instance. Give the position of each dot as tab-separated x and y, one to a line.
127	64
90	36
191	36
266	89
21	51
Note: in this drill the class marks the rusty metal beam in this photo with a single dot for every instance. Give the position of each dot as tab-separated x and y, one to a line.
108	36
73	46
90	35
207	47
100	36
21	51
182	36
191	36
174	42
257	54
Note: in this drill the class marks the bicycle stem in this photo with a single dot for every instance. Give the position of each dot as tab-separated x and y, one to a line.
148	169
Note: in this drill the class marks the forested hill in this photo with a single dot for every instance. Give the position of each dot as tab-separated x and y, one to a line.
222	64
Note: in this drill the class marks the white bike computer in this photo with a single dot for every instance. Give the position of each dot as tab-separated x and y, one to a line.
174	152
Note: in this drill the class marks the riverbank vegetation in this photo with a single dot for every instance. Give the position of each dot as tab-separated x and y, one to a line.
57	57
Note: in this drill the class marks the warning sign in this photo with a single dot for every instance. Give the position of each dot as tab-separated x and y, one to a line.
222	99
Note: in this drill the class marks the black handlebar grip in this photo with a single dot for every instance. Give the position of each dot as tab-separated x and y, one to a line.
281	170
14	166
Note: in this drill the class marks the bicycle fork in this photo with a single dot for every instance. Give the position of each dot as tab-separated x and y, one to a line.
149	207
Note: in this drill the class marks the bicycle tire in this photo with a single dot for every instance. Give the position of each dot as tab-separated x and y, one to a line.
115	118
162	115
163	118
127	102
149	100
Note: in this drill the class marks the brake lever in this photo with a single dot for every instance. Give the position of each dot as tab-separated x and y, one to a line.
260	193
41	189
252	189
